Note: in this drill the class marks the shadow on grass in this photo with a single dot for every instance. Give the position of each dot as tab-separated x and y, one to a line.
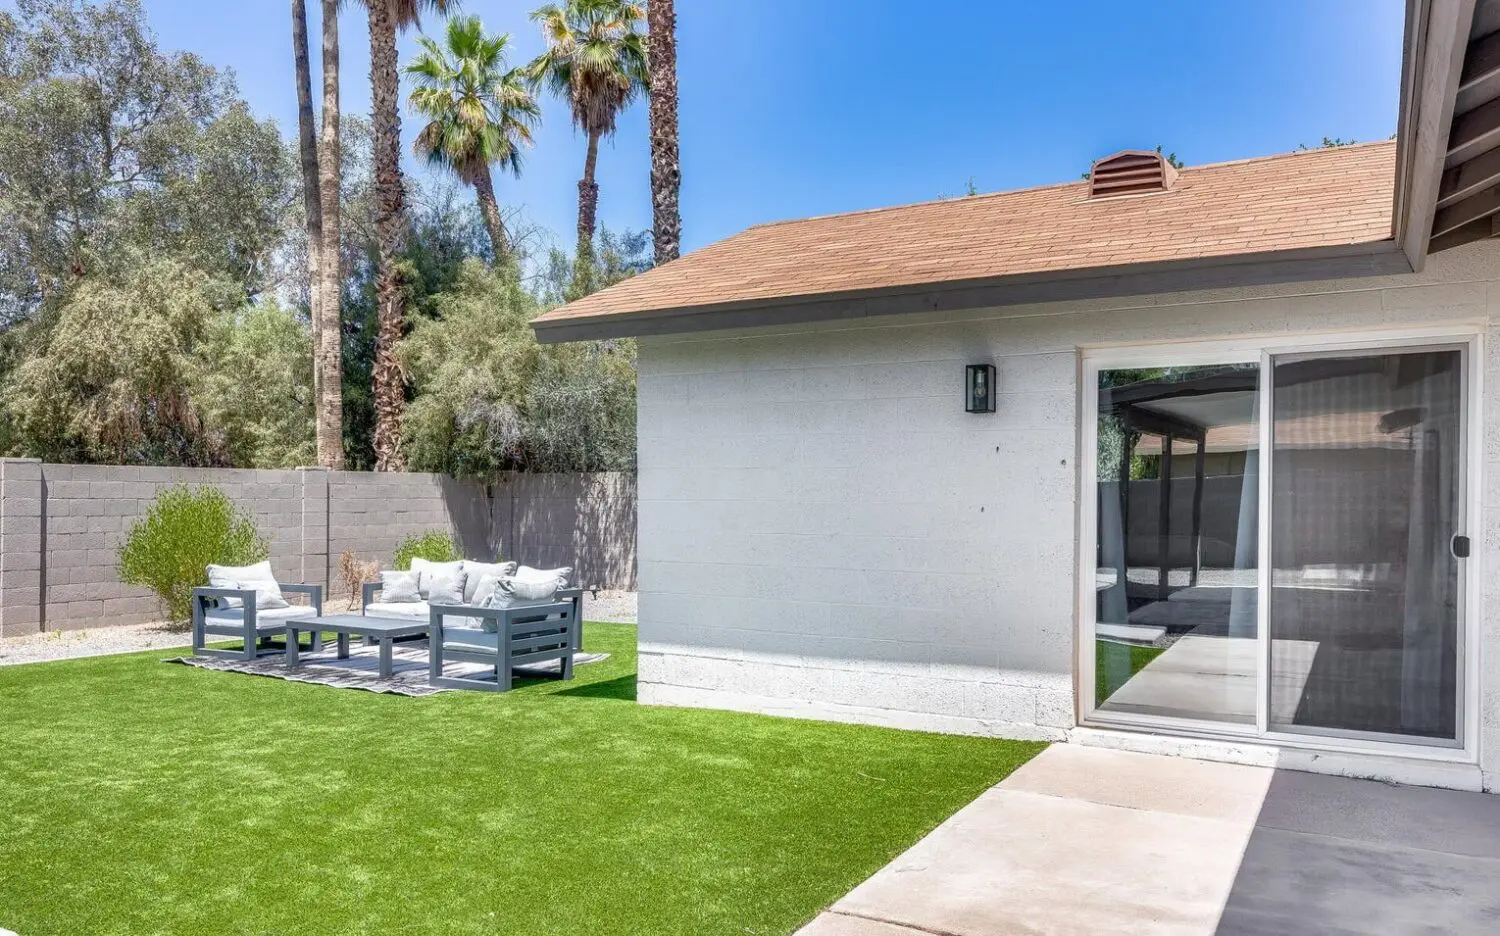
621	687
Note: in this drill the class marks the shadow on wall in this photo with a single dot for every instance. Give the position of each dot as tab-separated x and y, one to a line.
469	510
587	521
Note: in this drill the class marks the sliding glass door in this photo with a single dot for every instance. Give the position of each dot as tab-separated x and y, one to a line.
1278	536
1366	499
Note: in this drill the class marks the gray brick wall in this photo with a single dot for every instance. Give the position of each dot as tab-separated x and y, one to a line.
584	520
61	527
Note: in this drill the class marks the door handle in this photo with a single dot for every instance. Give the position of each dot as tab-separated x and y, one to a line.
1459	546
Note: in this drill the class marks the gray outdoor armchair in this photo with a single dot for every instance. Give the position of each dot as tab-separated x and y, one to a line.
508	637
252	625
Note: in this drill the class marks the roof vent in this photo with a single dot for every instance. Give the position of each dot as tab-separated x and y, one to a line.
1131	172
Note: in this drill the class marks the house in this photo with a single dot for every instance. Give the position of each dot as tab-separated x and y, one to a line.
1204	461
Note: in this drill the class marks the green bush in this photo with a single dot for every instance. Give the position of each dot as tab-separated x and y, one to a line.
434	546
168	550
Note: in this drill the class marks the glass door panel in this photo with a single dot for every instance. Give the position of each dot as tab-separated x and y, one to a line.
1366	496
1176	552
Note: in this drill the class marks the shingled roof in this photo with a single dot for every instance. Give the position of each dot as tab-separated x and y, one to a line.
1323	198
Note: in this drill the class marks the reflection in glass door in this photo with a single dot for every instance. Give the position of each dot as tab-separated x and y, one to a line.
1175	586
1366	497
1342	472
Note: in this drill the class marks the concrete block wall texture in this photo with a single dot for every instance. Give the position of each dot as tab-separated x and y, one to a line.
583	520
20	546
824	531
61	527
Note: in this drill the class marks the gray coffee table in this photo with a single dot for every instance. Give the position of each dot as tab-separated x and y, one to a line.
382	629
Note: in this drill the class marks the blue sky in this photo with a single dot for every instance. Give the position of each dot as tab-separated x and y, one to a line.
792	108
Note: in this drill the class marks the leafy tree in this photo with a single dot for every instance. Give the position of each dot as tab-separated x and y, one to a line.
445	231
107	376
489	398
596	61
252	385
618	256
110	149
470	368
580	408
479	112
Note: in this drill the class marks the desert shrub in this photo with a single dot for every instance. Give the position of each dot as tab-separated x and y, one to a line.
433	545
354	572
168	550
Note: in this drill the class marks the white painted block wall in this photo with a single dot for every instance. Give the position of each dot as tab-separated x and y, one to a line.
825	532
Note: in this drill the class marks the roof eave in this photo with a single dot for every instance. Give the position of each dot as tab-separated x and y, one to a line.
1436	42
1372	258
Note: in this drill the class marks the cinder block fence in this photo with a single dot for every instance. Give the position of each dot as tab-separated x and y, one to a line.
61	527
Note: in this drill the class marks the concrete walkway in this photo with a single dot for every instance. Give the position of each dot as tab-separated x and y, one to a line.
1085	840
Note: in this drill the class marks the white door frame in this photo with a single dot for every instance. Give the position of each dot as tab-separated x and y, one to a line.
1470	337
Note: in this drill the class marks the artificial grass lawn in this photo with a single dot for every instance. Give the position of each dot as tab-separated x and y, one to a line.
1116	663
144	798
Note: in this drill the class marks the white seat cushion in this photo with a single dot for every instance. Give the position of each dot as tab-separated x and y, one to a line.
262	615
401	609
416	610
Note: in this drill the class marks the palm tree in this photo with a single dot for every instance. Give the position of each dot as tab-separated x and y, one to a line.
596	61
479	112
666	171
387	17
327	327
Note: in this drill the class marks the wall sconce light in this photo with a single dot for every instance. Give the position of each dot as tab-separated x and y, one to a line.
980	385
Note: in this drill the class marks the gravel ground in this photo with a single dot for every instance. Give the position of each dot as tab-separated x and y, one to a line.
63	645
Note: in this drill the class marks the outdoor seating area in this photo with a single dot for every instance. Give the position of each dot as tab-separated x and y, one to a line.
498	615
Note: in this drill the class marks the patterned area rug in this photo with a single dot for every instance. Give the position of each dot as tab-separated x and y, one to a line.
361	670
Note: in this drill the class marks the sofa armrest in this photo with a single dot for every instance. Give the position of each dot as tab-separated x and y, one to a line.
203	594
314	594
204	591
367	593
436	613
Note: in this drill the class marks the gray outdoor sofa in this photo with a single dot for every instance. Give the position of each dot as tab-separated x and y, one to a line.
533	632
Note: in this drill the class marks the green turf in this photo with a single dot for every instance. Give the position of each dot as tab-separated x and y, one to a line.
144	798
1116	663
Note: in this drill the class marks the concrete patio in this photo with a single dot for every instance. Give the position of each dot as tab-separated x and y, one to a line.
1086	840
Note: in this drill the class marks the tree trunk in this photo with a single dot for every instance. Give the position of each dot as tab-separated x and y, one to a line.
588	198
666	172
330	432
484	189
312	207
389	382
588	209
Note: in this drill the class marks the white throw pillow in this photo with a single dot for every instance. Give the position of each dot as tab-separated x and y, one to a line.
543	576
398	587
514	591
425	569
222	576
446	589
267	594
483	590
476	571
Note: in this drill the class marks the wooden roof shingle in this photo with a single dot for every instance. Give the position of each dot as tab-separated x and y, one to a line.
1315	198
